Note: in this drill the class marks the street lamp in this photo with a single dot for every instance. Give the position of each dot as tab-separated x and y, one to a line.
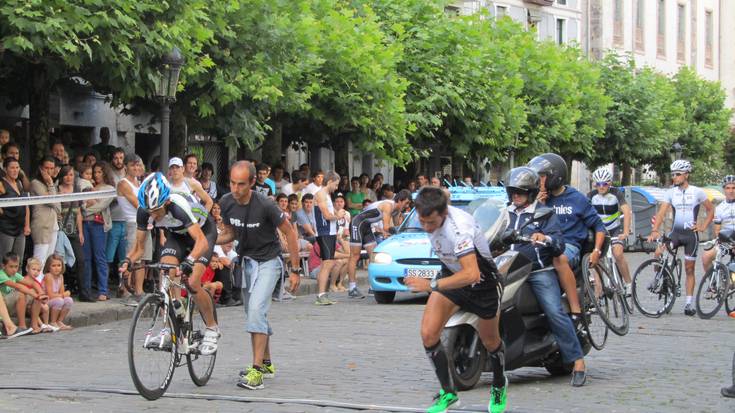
168	81
676	150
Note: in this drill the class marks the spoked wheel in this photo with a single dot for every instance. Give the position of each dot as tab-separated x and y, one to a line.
152	354
200	367
730	298
465	364
592	320
599	285
654	289
713	290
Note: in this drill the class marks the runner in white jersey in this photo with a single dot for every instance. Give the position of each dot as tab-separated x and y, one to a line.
189	188
685	201
326	236
361	233
724	217
469	281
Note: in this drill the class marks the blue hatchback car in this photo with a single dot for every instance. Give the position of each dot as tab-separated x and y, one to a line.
408	253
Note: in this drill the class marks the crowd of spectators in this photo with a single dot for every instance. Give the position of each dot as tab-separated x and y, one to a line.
57	252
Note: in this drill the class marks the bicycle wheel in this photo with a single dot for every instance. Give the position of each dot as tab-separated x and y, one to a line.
594	327
626	297
712	290
654	289
597	282
151	366
200	367
730	298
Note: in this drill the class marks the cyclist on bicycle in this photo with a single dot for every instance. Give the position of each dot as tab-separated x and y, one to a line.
190	237
724	217
611	206
685	201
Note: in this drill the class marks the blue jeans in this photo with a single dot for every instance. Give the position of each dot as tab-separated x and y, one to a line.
572	253
545	285
95	240
259	280
116	242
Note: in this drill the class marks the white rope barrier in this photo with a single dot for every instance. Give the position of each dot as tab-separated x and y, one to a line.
51	199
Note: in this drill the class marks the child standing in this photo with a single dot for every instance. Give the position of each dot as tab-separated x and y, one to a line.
60	301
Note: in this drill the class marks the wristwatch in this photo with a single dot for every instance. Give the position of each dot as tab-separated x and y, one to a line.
434	286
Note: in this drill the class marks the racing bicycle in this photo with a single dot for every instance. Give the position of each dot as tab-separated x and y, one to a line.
657	281
604	287
166	333
716	286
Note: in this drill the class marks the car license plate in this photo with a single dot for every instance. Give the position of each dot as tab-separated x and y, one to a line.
420	273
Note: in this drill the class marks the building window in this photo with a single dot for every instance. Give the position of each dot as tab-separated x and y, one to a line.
640	13
661	30
561	31
500	11
681	22
709	39
618	22
561	2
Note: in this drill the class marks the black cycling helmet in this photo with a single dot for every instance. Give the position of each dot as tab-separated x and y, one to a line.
522	180
551	165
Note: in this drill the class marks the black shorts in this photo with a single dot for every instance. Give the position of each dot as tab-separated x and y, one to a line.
180	245
614	236
481	299
361	232
687	238
327	246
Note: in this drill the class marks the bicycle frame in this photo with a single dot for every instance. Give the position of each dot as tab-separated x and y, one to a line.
670	262
164	292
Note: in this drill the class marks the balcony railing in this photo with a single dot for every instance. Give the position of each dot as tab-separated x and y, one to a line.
541	2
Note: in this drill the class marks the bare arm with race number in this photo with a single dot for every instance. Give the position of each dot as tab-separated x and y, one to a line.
468	274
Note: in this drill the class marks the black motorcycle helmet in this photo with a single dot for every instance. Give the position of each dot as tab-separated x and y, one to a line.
522	180
553	166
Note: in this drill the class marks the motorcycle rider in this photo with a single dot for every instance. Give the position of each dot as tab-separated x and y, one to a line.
522	186
469	281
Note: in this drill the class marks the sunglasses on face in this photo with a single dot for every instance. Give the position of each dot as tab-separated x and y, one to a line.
602	184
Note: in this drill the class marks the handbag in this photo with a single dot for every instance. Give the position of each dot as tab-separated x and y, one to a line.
98	218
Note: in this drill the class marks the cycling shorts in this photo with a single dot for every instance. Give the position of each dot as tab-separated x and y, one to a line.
361	232
614	236
688	239
327	246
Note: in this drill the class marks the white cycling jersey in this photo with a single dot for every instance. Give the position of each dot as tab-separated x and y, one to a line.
725	215
457	237
685	203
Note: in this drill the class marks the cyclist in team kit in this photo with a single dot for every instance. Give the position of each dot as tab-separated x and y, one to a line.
469	281
379	213
190	237
610	205
685	200
724	217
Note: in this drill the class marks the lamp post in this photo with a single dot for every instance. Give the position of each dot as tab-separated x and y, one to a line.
676	150
168	81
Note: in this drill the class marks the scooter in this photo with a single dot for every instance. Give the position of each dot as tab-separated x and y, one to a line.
523	326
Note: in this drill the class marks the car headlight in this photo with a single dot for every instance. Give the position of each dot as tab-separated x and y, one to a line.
382	258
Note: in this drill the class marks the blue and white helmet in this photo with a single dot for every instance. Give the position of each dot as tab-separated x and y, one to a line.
681	165
154	191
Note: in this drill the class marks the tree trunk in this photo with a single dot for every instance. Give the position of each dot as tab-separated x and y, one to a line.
342	156
38	111
627	174
273	145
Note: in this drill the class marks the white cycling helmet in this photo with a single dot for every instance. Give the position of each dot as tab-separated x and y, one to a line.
727	180
681	165
602	175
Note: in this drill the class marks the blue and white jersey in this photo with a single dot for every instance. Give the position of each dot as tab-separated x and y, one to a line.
685	203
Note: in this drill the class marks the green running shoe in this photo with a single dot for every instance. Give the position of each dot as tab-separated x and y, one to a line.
498	398
268	370
253	380
442	402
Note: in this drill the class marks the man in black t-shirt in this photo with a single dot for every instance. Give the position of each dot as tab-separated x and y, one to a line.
260	185
252	219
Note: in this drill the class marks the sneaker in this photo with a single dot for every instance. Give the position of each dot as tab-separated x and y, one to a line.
689	310
285	296
162	340
252	380
355	293
442	401
21	332
323	300
498	398
268	371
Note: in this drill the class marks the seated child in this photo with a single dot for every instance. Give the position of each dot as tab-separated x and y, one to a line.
60	300
19	293
41	312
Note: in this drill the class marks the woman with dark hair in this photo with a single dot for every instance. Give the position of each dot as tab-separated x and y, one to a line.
15	222
44	219
70	221
96	223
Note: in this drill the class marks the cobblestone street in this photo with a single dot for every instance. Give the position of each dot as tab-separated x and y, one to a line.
363	353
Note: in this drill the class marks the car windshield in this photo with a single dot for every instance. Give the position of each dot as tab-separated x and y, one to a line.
412	223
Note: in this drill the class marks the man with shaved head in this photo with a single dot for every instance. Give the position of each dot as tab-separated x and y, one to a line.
252	218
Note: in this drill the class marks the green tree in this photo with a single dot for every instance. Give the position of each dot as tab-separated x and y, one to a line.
114	45
643	119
